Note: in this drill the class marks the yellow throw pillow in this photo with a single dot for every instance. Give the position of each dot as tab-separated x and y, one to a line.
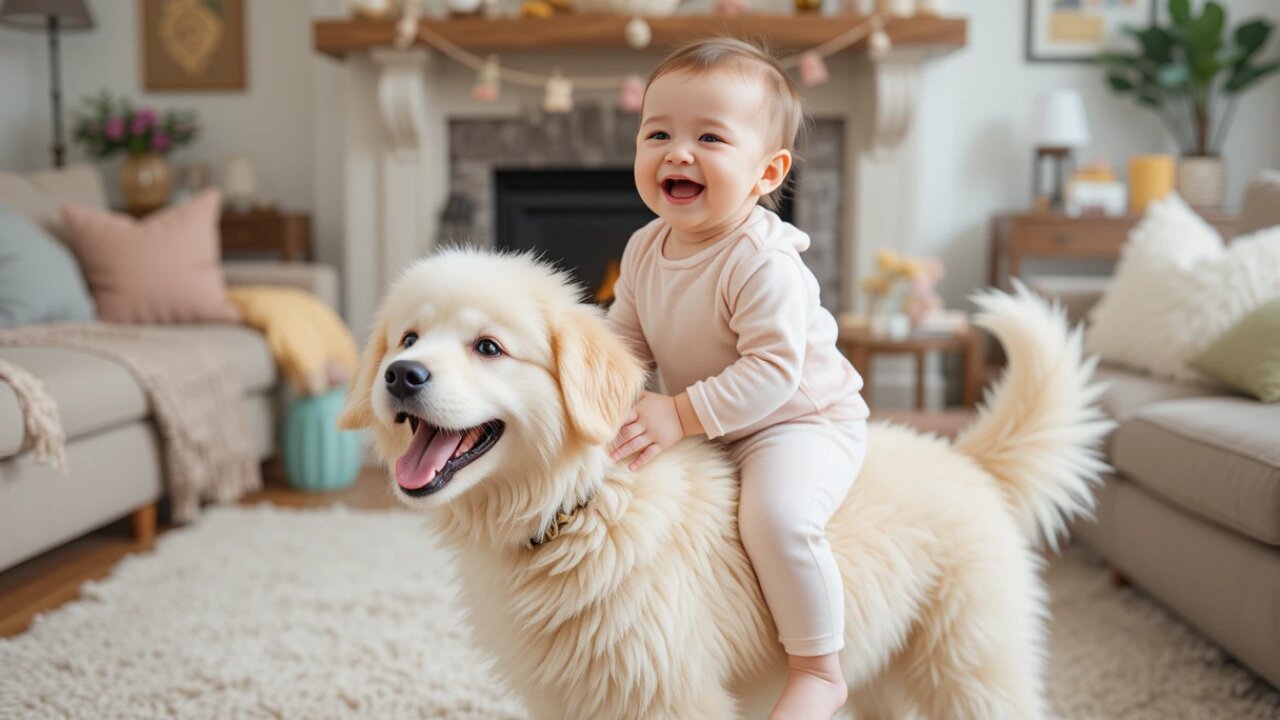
1247	356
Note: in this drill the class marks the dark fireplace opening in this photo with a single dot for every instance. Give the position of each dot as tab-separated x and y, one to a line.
580	219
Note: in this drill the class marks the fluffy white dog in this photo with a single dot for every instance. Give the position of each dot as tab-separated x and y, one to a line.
604	593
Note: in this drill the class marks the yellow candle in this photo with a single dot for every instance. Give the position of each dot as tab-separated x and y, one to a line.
1150	178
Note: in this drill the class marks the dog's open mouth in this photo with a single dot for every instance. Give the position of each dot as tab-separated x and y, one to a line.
436	454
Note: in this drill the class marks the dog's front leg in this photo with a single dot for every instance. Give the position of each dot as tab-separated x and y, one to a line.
713	704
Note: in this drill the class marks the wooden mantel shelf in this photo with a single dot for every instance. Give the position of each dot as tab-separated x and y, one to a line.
341	37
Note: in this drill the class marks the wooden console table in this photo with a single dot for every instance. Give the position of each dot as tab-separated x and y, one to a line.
287	234
1016	237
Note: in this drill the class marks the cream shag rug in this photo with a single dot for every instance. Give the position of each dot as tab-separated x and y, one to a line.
268	613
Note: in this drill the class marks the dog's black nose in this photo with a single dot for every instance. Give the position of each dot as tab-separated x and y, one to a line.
406	377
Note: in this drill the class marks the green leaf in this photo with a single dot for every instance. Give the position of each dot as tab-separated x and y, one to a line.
1157	44
1118	61
1119	83
1211	21
1246	76
1180	11
1151	101
1251	36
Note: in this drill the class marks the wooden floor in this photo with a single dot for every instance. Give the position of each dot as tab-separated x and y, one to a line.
49	580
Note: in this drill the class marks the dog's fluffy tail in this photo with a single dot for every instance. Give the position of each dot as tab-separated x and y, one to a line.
1040	429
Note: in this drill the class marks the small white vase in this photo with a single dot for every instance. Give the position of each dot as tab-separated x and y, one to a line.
892	326
1202	181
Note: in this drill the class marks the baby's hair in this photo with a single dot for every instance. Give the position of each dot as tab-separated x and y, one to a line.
702	56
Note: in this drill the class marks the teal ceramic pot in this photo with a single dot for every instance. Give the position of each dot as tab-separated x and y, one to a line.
317	455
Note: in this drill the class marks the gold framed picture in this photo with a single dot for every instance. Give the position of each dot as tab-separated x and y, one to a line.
193	44
1078	30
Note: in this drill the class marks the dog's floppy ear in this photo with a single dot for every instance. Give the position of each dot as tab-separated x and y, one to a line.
358	412
599	379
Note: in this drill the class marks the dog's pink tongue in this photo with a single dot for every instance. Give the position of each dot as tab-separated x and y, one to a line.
428	452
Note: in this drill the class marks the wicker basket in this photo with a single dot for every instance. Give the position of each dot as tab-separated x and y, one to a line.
639	8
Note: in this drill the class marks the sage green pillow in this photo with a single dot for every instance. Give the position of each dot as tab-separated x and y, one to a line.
1247	356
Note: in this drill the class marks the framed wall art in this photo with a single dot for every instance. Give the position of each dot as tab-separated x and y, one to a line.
193	44
1078	30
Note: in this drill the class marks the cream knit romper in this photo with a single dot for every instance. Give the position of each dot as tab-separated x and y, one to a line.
739	327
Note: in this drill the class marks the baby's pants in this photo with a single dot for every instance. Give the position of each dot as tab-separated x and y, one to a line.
794	476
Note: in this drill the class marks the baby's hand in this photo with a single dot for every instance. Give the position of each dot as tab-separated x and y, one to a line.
652	426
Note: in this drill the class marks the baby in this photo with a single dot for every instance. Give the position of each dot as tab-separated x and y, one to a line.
714	292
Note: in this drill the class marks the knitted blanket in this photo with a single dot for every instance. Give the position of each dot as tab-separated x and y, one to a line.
194	398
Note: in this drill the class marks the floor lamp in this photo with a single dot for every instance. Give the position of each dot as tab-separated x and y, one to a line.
52	15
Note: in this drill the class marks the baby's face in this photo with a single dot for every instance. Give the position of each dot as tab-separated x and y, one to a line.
704	142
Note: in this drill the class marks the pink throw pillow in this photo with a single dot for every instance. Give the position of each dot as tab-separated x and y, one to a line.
162	269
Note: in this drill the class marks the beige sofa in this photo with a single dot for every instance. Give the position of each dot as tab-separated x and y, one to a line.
113	449
1191	514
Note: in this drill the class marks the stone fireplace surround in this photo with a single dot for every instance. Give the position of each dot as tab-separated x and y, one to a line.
597	136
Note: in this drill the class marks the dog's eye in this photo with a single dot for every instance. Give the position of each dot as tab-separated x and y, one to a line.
488	348
409	339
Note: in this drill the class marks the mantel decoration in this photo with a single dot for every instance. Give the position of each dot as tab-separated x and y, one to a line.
558	88
1192	77
106	126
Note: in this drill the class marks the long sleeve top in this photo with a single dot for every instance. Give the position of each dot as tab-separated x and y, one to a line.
738	326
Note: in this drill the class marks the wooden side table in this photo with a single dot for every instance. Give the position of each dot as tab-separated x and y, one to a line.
1017	236
287	234
860	345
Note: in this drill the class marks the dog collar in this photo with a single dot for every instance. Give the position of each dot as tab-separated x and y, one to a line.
552	531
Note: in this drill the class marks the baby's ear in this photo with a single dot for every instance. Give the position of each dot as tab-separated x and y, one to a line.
358	413
775	173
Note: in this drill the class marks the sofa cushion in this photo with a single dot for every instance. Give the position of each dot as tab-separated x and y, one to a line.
37	196
39	279
247	349
1218	457
1129	390
92	393
162	269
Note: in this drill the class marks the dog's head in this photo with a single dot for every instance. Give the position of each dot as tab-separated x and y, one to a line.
484	366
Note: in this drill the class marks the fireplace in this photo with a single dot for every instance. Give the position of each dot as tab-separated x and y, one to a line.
580	219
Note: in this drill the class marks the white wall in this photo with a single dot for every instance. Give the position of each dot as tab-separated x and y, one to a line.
977	148
17	54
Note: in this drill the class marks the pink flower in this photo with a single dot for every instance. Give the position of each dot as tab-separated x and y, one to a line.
631	97
160	141
143	120
113	128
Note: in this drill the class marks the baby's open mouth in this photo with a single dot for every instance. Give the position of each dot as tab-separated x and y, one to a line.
681	190
436	454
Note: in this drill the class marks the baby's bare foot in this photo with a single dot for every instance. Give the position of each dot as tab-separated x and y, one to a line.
815	689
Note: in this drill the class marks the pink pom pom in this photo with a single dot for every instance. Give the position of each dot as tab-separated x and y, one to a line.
813	70
631	96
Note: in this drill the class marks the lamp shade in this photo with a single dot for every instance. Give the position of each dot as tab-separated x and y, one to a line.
35	14
1060	120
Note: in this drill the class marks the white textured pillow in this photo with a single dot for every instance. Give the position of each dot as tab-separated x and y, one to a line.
1177	288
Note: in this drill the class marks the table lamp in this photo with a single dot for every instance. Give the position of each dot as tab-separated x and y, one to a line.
1059	126
53	16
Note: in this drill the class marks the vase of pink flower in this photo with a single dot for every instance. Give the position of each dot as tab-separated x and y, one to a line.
107	126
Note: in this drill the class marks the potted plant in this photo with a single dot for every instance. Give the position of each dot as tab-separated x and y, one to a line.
107	126
1192	77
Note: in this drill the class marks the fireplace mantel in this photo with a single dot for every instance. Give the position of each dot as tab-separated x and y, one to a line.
397	103
931	34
